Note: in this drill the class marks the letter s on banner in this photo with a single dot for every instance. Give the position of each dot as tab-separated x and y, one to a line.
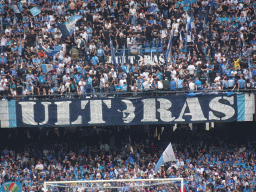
228	110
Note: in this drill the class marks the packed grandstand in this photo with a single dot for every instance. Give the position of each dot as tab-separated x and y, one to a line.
222	159
81	47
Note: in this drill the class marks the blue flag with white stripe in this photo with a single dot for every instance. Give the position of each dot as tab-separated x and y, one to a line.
50	52
67	29
168	155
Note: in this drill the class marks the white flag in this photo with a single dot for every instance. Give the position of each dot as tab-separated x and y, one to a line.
168	155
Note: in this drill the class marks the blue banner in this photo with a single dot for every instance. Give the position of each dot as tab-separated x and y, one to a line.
127	111
11	187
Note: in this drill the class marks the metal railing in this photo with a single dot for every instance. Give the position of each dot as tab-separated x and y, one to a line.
144	93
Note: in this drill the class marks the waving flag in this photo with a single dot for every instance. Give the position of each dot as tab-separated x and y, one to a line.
168	155
123	58
169	51
74	18
113	59
35	11
46	68
50	52
152	10
67	29
15	9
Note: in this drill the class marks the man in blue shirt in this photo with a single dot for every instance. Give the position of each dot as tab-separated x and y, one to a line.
100	54
225	83
95	60
41	78
231	83
172	85
124	87
118	88
228	72
89	33
36	61
159	74
179	84
241	83
198	84
77	77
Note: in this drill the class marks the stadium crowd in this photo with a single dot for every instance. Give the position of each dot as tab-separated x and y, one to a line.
213	46
207	160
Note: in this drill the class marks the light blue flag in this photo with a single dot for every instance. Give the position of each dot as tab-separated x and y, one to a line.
11	186
74	18
46	68
35	11
168	155
15	9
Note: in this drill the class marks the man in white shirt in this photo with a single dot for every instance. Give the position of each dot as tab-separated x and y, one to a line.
217	79
160	85
65	78
67	59
145	73
121	82
39	166
191	86
82	82
3	43
84	35
191	69
2	86
8	30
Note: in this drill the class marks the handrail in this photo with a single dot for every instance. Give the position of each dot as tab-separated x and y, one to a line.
144	93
